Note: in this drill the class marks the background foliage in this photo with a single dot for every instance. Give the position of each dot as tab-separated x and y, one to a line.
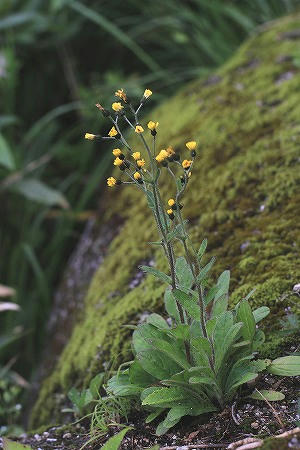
57	58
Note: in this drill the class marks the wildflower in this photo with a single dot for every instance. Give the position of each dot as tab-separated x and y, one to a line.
118	162
170	151
116	106
120	93
104	111
139	129
111	181
90	136
116	152
171	202
191	145
170	213
138	177
163	154
113	132
186	164
147	93
136	155
141	162
152	126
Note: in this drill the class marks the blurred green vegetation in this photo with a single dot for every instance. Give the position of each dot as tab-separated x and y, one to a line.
58	58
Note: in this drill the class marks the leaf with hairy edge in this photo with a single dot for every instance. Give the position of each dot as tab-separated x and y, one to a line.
260	364
260	313
202	380
165	397
288	366
154	414
258	340
245	315
188	303
157	321
183	273
228	340
115	441
271	396
157	273
138	376
120	385
204	272
202	249
171	351
223	282
157	364
170	305
242	380
210	294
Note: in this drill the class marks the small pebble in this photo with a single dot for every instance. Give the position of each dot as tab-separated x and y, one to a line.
45	434
255	425
51	440
67	436
37	437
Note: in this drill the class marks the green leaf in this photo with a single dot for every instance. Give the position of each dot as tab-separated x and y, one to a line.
245	315
38	191
183	273
170	305
260	313
165	397
242	380
120	385
95	384
229	337
271	396
157	364
259	365
210	295
138	376
223	283
150	199
153	415
162	276
204	272
288	366
220	305
114	442
182	331
202	380
157	321
11	445
202	249
6	155
258	340
188	303
177	232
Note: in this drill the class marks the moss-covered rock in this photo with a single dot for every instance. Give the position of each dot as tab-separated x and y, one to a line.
243	196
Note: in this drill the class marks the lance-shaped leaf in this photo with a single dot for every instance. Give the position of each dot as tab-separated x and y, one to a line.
157	273
288	366
271	396
184	273
188	303
260	313
245	315
204	272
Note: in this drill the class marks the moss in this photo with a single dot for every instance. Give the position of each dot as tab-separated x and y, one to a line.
243	195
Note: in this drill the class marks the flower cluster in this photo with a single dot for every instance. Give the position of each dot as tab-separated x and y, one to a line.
142	167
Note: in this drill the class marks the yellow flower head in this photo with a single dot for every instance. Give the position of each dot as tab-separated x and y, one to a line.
118	162
121	94
136	155
112	132
139	129
111	181
186	163
152	125
191	145
137	176
163	154
116	106
171	202
116	152
170	212
90	136
147	93
170	151
141	162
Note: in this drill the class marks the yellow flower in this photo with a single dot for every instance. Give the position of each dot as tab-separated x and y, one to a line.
186	163
112	132
111	181
170	151
116	152
120	93
90	136
170	212
171	202
137	176
141	162
191	145
116	106
147	93
139	129
118	162
152	125
136	155
163	154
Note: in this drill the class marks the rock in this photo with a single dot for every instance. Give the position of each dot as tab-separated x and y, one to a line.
248	157
255	425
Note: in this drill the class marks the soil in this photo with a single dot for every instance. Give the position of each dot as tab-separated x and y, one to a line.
245	419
